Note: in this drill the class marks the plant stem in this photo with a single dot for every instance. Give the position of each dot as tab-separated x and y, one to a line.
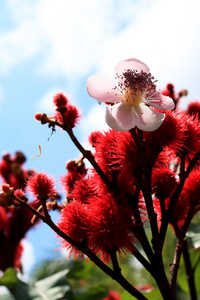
175	197
86	153
189	271
145	181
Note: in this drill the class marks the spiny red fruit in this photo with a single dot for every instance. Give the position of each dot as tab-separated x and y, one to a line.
41	185
110	227
191	140
164	182
194	109
191	189
74	222
114	151
170	134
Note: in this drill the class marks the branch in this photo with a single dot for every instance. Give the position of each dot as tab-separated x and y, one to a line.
83	248
175	197
86	153
145	181
180	233
189	271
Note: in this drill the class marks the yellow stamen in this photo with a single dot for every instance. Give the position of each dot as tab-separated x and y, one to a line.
133	97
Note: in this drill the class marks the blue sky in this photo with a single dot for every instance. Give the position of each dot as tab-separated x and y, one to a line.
47	46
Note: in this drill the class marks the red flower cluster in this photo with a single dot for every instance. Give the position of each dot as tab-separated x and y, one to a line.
14	221
66	113
12	171
95	217
104	217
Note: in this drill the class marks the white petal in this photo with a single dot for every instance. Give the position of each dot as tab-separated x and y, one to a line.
159	101
122	112
147	119
111	112
131	64
102	88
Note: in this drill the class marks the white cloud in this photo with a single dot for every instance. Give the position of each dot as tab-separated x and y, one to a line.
76	37
93	120
45	103
1	93
28	257
69	35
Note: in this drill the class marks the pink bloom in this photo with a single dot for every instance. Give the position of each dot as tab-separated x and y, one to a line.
131	97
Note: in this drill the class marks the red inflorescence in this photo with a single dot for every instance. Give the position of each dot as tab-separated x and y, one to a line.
60	100
14	221
70	116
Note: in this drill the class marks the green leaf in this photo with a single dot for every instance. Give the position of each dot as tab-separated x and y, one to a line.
54	287
24	291
193	234
182	277
9	278
153	295
81	269
95	292
126	296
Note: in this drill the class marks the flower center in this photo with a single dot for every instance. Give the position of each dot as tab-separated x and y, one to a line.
133	97
135	85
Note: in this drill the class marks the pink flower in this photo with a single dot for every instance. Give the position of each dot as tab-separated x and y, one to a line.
131	97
